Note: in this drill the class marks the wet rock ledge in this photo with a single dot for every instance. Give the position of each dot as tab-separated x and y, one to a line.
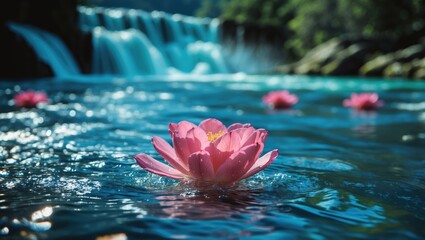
350	56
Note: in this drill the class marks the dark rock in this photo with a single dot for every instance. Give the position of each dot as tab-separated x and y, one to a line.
339	56
419	74
351	55
18	59
376	66
410	53
313	61
397	69
417	69
347	61
388	64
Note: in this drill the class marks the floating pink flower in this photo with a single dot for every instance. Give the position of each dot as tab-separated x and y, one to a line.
280	99
210	152
363	101
30	99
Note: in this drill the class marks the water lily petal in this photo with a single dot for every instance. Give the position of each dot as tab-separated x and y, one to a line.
156	167
173	128
194	141
258	135
238	125
363	101
213	126
181	128
280	99
228	142
197	139
40	98
244	133
261	163
222	148
200	166
181	147
373	97
30	98
168	153
235	167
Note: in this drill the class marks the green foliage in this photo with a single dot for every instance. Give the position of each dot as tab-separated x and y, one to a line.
211	8
312	22
317	21
270	12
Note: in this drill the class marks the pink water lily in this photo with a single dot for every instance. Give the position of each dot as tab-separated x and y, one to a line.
280	99
30	99
210	152
363	101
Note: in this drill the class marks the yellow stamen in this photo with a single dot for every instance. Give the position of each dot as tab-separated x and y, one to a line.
213	136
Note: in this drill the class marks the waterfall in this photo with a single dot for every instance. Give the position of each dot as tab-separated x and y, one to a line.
126	52
131	42
134	42
49	48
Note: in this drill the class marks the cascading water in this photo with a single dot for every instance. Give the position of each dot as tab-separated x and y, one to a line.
49	48
130	42
133	42
134	55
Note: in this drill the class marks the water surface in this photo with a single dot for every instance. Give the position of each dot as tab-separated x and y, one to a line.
67	168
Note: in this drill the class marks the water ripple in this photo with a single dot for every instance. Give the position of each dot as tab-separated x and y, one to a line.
67	168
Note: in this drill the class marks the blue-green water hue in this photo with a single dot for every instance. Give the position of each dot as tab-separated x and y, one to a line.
67	169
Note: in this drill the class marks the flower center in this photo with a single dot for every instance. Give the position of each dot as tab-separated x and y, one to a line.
213	136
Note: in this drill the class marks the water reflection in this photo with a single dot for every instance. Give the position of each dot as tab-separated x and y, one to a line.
207	204
326	164
367	131
288	112
344	207
363	114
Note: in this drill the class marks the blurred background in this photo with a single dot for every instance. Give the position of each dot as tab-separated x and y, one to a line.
306	23
325	37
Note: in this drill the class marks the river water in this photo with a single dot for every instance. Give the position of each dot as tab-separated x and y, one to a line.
67	169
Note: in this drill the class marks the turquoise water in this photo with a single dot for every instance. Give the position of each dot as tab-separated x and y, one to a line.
67	169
